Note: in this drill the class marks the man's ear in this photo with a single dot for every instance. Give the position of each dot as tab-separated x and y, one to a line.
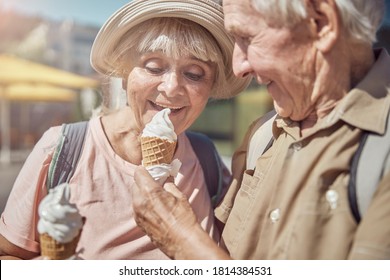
326	23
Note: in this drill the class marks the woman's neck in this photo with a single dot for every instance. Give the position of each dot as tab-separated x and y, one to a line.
123	135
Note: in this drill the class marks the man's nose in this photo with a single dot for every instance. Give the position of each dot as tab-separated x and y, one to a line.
241	65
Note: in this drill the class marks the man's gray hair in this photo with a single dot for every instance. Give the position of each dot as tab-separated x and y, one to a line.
361	18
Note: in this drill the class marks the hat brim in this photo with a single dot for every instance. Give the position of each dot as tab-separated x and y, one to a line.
204	12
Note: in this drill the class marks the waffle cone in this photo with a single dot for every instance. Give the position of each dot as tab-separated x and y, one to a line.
156	151
55	250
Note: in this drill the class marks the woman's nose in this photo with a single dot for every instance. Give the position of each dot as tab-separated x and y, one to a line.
170	83
241	65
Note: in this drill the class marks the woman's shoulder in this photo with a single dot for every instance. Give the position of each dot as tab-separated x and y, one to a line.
184	148
49	138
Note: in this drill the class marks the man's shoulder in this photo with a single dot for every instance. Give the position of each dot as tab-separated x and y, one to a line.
262	125
260	136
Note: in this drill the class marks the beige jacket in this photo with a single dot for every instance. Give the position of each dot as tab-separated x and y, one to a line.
294	204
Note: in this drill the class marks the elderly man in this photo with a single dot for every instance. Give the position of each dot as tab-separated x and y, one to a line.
291	202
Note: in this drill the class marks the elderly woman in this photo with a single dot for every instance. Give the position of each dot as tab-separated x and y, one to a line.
329	87
169	54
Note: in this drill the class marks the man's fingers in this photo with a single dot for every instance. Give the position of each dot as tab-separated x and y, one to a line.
144	180
143	191
171	188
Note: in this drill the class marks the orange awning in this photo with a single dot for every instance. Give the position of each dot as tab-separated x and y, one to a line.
16	70
24	80
38	92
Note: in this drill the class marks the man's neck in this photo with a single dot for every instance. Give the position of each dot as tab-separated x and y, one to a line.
339	71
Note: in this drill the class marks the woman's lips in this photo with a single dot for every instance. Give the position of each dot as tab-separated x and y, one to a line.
159	107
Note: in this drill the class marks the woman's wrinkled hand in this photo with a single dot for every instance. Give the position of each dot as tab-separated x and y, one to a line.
163	213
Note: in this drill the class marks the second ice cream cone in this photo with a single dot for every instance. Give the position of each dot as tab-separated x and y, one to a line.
60	224
54	250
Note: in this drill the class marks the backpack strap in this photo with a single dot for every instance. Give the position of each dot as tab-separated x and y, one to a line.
70	144
370	162
211	164
66	154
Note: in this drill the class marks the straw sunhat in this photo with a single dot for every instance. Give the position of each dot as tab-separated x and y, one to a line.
206	13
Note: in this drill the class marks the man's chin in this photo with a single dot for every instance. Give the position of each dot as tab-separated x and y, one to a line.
281	112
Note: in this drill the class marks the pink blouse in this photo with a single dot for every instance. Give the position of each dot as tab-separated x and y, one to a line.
101	189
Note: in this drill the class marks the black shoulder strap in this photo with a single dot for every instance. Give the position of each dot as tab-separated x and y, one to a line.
210	161
67	153
370	162
352	196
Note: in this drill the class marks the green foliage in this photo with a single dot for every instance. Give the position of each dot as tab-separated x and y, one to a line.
226	121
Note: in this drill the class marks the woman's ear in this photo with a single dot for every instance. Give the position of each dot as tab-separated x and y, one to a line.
325	17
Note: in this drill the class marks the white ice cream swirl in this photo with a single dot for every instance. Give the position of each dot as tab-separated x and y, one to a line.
160	126
58	217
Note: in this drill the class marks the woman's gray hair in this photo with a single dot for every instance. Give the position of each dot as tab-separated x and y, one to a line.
175	37
361	18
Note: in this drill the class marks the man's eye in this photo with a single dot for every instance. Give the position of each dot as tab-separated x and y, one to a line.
242	41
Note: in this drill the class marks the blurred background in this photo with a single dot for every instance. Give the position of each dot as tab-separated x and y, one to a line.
46	79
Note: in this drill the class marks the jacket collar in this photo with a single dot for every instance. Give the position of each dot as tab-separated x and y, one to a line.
367	105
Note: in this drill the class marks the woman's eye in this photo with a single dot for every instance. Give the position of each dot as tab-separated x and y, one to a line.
193	76
154	70
154	66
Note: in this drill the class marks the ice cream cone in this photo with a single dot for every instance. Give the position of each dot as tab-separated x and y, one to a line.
157	151
54	250
59	242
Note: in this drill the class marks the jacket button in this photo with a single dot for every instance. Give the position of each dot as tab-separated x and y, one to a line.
275	215
332	197
297	146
